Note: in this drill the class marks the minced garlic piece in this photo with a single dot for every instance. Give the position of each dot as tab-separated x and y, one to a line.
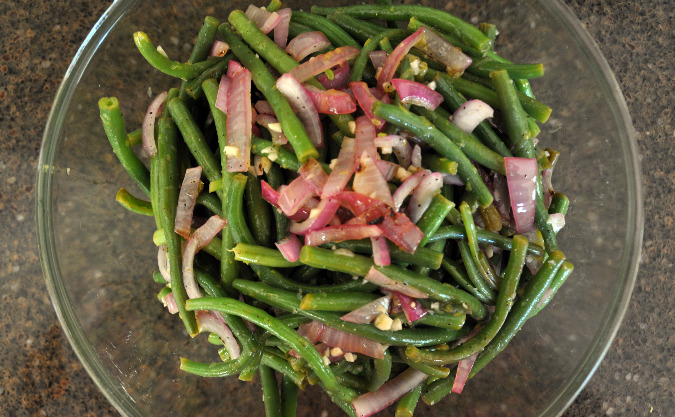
397	325
383	322
326	361
275	127
232	151
343	251
350	357
162	51
432	85
352	126
402	174
336	351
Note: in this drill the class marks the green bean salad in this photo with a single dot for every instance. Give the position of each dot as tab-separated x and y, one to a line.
352	197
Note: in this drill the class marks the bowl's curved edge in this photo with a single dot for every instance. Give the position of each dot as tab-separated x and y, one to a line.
124	404
635	215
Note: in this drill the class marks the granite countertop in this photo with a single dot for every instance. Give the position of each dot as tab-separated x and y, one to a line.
40	374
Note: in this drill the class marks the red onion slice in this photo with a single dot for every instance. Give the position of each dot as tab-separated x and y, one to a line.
323	62
290	247
365	98
163	262
313	173
365	134
219	48
186	201
372	402
471	114
169	302
403	154
342	171
294	196
265	20
341	74
421	197
341	233
281	29
312	331
239	122
407	187
368	180
395	58
304	107
200	238
521	177
148	126
381	255
233	67
463	370
325	212
557	221
387	169
223	93
270	195
438	48
273	126
416	157
378	278
378	58
307	43
412	92
412	308
210	322
367	313
264	107
351	343
331	101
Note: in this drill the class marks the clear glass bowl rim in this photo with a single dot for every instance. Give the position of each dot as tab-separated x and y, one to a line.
127	407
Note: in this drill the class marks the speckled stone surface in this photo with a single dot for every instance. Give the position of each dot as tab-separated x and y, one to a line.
41	376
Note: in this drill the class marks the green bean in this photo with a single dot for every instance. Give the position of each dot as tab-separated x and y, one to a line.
132	203
523	307
113	124
431	370
337	301
564	272
295	29
469	144
335	34
176	69
437	390
484	237
274	326
560	203
274	278
266	83
271	399
275	179
439	164
215	370
483	67
134	138
289	301
360	265
261	256
158	278
362	60
193	88
235	211
289	397
205	37
505	301
363	30
194	139
258	212
213	248
437	18
422	257
474	274
381	372
460	275
305	273
406	405
453	321
478	257
154	189
433	217
437	246
437	140
167	152
279	155
274	6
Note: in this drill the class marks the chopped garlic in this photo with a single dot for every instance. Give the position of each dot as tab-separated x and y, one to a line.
386	150
343	251
336	351
435	306
381	309
314	213
326	361
352	126
383	322
415	66
402	174
332	164
432	85
231	151
397	325
161	51
275	127
350	357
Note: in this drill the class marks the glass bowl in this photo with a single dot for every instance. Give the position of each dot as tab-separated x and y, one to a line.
97	258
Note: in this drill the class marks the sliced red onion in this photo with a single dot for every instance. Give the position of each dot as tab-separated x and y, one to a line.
273	126
471	114
148	126
395	58
438	48
378	58
210	322
219	48
500	192
169	302
186	201
381	255
200	238
521	177
233	67
416	157
412	308
367	313
463	370
389	141
272	196
323	62
307	43
351	343
294	196
378	278
163	262
373	402
557	221
239	122
341	74
304	107
341	233
451	179
223	93
281	29
546	186
365	134
290	247
407	187
388	169
368	180
265	20
331	101
365	98
325	212
264	107
342	171
412	92
403	154
423	194
548	293
313	173
312	331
